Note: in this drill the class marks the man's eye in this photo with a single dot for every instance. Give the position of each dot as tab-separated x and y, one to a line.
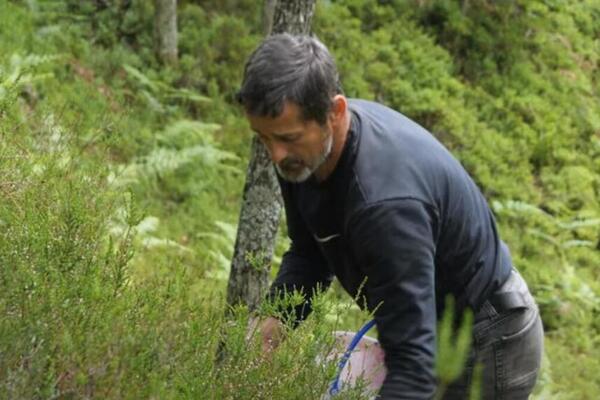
289	139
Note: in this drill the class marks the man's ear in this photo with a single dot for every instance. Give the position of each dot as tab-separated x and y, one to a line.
339	107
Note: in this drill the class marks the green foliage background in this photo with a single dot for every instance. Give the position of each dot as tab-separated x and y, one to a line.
120	182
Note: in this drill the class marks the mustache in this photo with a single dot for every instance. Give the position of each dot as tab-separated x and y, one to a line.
290	163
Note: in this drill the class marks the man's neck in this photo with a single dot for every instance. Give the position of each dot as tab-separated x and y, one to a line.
339	140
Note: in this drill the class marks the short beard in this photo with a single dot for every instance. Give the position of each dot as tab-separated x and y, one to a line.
307	171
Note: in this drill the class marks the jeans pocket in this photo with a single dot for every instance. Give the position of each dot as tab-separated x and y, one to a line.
508	322
519	355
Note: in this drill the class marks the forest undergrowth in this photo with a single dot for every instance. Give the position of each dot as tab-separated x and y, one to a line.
120	184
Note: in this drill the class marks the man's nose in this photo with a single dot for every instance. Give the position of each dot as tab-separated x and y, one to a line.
277	153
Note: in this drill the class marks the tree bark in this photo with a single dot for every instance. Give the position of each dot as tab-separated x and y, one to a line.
268	11
261	202
165	30
293	16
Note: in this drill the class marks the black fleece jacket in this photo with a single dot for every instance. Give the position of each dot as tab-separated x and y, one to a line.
400	211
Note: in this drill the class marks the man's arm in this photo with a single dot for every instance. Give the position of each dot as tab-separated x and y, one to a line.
394	244
303	267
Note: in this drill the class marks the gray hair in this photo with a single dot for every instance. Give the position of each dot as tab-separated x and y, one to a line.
283	68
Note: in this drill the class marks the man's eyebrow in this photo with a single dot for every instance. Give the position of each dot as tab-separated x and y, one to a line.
280	135
287	134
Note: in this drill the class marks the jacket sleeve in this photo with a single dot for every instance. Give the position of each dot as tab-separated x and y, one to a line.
394	244
303	267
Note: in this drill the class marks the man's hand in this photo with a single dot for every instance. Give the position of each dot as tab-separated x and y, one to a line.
271	332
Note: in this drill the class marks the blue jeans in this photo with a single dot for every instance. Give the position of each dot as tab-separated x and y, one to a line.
508	343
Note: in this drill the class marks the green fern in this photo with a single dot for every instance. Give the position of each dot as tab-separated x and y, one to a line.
175	150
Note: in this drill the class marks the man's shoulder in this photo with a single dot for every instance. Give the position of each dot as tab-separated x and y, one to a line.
368	106
395	157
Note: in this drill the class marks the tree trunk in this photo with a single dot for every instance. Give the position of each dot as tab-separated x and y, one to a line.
293	16
261	203
268	11
165	30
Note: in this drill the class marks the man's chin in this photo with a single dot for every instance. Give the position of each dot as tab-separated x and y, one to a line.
294	177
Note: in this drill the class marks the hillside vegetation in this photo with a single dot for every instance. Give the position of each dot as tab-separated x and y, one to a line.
121	178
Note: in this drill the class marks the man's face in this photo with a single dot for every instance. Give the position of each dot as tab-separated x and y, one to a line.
297	147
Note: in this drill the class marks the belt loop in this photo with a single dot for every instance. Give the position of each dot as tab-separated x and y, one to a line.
486	311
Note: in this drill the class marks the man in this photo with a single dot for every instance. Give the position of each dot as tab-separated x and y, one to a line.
372	197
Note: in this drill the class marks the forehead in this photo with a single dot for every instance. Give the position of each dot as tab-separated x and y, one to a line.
289	120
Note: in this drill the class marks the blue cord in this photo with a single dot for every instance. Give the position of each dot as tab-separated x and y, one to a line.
335	385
